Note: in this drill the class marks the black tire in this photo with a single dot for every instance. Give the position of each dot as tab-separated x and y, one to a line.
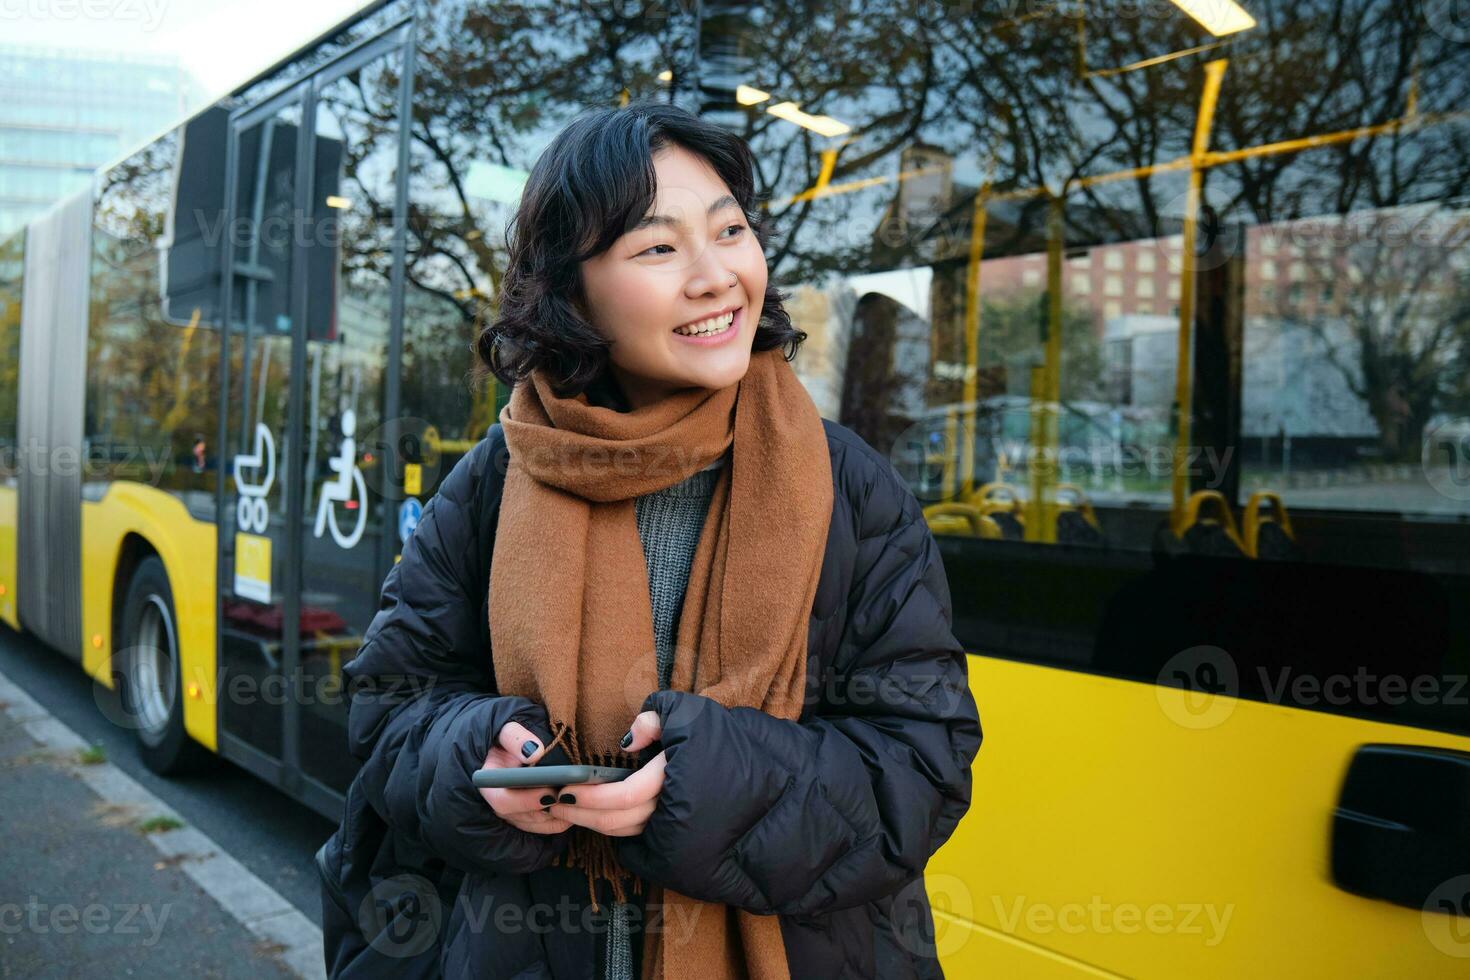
149	681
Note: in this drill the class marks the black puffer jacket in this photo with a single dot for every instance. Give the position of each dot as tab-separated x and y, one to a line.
827	822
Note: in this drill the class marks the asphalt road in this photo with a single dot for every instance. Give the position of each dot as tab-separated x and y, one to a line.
269	833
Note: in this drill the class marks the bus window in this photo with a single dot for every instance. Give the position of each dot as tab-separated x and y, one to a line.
12	264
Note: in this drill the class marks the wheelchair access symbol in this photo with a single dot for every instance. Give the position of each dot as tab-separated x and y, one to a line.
409	513
347	488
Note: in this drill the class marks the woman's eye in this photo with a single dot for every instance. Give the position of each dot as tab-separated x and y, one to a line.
739	229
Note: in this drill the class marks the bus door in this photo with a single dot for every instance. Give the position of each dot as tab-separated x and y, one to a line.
309	527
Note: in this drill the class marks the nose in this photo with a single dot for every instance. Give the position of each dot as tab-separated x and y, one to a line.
709	276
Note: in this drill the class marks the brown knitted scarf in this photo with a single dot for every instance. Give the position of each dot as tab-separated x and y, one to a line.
571	620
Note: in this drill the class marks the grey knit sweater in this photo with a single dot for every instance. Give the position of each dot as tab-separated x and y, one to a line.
669	523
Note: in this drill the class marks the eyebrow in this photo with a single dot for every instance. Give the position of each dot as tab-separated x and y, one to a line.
664	220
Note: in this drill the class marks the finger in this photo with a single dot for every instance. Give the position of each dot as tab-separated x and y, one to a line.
639	788
633	826
538	823
521	800
539	816
631	830
646	729
603	821
498	758
591	819
524	747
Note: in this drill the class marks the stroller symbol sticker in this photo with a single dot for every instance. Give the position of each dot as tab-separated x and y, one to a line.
252	511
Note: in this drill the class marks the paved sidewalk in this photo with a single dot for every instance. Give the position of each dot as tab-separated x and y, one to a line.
100	878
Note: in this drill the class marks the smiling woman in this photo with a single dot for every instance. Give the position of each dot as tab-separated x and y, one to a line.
683	552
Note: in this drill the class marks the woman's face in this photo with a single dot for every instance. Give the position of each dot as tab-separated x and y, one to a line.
692	257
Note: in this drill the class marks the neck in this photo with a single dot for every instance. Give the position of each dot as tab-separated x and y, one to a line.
637	392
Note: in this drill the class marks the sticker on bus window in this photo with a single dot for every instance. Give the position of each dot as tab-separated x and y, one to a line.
252	510
253	567
347	487
409	513
413	479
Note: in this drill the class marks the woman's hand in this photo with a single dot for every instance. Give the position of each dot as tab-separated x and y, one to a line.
524	809
618	809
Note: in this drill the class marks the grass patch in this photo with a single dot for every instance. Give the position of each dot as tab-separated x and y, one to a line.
93	755
156	825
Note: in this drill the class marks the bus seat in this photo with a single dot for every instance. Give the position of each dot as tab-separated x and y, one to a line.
961	519
1002	504
1077	522
1209	527
1268	534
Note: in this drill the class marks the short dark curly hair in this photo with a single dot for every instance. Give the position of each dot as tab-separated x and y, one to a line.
587	189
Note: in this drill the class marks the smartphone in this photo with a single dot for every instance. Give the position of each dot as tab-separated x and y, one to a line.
524	776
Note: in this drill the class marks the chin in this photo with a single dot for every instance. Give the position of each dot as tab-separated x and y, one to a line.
723	376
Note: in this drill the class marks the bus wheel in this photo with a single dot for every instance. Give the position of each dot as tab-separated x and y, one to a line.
151	688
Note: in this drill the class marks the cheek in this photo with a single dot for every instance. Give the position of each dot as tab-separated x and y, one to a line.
628	304
755	273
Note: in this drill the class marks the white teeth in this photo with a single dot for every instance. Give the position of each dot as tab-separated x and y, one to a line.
712	325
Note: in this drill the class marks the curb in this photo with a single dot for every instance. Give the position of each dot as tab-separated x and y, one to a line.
250	901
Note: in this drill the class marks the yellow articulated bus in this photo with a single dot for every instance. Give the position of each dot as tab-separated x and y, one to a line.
1162	310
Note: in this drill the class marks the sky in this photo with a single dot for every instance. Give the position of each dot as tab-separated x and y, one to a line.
220	42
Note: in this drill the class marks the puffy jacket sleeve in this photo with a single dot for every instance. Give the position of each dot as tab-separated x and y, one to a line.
424	711
847	805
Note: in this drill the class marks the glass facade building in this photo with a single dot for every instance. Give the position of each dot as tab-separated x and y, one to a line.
65	113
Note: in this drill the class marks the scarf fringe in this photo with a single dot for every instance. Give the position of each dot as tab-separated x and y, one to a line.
587	849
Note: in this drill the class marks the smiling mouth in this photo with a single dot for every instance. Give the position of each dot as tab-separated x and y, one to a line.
710	327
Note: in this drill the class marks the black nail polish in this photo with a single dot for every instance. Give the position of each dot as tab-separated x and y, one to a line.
568	798
529	749
547	800
627	740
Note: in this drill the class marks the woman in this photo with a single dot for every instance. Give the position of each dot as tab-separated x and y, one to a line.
682	569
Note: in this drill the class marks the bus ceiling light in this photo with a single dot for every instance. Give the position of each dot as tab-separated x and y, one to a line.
746	95
822	125
1219	17
341	203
